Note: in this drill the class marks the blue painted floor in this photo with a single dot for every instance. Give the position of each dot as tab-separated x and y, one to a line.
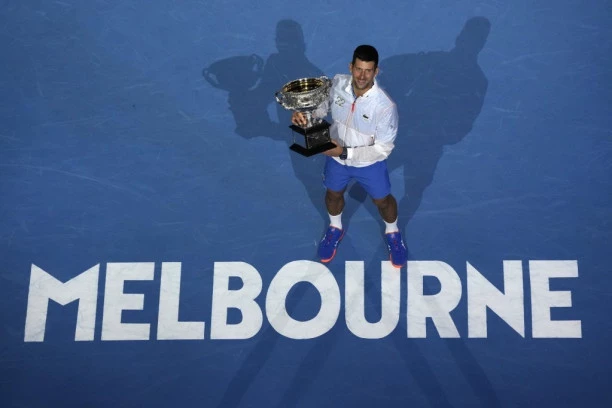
146	132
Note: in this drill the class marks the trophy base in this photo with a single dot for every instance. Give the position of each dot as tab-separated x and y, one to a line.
312	151
316	139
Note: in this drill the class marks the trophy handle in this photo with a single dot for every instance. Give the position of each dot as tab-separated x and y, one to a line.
326	80
280	97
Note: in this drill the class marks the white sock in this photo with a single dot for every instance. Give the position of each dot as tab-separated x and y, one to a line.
336	220
391	226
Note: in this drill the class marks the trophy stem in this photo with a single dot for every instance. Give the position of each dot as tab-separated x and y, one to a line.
310	119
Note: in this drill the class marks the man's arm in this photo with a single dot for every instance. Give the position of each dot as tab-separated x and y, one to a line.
384	138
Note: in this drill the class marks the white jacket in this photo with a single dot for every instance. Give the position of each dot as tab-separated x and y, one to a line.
366	124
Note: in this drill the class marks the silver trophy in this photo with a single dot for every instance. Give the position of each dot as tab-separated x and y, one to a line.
308	95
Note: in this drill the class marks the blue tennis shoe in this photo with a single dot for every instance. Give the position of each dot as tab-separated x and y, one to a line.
329	243
398	254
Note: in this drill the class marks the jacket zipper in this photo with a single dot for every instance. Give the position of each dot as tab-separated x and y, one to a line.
350	116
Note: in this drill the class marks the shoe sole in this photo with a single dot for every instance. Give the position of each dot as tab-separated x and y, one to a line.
335	249
396	266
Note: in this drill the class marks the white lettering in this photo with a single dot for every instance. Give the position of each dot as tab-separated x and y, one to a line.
116	301
168	325
543	299
355	301
423	306
44	287
242	299
438	306
509	306
325	283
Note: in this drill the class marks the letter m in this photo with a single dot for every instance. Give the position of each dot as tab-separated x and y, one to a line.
44	287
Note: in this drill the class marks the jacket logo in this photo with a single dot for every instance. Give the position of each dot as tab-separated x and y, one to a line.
339	101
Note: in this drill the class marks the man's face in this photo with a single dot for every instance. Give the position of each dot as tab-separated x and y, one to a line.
363	74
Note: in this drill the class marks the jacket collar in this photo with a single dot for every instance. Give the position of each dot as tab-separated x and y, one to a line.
349	88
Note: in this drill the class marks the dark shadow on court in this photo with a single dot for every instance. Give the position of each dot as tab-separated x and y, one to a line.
439	95
251	84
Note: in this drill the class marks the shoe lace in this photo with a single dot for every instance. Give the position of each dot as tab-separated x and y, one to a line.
329	234
395	243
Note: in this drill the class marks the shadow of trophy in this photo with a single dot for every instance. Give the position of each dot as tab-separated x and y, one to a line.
234	73
311	97
238	76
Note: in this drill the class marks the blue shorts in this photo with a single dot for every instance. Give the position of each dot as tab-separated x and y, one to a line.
373	178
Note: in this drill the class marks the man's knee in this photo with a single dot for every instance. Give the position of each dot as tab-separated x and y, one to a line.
334	195
383	202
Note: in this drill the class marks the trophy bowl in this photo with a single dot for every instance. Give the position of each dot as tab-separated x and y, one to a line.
308	95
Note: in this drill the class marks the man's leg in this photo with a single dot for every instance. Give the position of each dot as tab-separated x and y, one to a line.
387	207
334	201
335	180
375	180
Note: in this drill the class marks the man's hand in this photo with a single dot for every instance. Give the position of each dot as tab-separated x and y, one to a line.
335	152
299	119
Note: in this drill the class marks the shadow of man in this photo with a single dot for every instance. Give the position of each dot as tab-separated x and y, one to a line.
439	95
251	86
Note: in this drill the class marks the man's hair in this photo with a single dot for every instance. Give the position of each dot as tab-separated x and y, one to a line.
366	53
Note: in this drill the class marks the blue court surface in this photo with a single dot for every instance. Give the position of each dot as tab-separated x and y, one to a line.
158	237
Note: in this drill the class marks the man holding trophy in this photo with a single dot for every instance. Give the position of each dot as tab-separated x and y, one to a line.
359	140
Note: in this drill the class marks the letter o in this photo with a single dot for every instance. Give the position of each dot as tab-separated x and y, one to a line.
325	283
